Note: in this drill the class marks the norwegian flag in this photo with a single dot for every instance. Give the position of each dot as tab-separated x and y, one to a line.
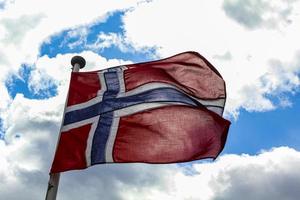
164	111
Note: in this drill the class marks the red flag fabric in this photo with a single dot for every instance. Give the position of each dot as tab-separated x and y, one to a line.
164	111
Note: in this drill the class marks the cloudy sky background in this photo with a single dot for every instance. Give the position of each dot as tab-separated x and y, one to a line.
253	43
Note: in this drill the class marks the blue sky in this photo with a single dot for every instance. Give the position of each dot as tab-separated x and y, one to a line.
113	24
253	132
251	43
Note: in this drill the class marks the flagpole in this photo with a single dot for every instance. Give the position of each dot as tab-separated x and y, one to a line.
78	63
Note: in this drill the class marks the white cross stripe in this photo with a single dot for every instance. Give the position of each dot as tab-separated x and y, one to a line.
89	143
79	124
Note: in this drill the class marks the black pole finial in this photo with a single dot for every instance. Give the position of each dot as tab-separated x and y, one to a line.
78	60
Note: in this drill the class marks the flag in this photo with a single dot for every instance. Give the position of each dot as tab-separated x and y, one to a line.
164	111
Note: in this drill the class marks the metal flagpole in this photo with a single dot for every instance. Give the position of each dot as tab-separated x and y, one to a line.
78	63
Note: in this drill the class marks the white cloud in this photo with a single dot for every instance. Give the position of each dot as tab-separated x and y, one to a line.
79	33
247	59
31	127
269	175
205	27
260	13
23	29
56	71
16	29
5	3
5	98
26	155
31	130
25	161
106	40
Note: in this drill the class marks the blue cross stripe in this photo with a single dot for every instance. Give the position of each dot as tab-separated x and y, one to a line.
110	102
105	121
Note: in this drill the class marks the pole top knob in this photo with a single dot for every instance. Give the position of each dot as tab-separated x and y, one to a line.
78	60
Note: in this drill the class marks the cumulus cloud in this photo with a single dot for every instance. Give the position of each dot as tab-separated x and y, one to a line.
4	3
5	98
48	72
85	37
260	13
254	63
25	157
244	57
26	29
270	175
31	128
23	29
25	161
79	34
107	40
16	29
